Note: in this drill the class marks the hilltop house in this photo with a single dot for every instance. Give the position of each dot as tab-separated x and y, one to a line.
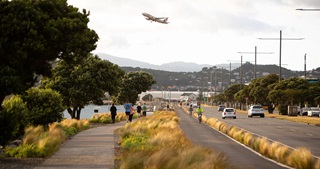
187	97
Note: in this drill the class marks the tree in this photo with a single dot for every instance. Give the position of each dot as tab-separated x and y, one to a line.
133	83
82	82
288	92
231	91
33	33
259	90
44	106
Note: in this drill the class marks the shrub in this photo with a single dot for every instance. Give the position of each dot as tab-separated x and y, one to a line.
12	119
44	106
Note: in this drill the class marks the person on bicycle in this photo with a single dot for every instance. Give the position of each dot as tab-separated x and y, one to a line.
199	110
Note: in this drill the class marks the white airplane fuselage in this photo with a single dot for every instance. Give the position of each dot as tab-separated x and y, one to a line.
155	19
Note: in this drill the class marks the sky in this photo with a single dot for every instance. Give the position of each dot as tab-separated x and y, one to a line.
208	31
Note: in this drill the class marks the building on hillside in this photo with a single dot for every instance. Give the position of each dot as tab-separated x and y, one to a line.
188	97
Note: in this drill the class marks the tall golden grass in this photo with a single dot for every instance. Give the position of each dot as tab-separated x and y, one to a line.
301	158
38	142
167	147
106	118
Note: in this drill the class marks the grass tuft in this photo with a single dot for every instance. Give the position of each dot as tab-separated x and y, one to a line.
301	158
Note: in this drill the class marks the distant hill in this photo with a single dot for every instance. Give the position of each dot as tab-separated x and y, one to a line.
173	66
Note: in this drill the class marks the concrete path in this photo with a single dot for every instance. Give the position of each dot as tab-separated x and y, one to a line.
92	148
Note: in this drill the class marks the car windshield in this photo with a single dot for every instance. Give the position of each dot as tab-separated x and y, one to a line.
257	107
229	110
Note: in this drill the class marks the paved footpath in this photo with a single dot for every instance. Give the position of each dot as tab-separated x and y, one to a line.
92	148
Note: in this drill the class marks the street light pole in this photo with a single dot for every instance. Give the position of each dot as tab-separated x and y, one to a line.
255	58
280	55
280	48
305	66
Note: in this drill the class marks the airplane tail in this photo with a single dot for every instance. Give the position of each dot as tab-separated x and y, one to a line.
165	20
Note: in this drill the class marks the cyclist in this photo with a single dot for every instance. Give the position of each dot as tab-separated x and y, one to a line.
199	110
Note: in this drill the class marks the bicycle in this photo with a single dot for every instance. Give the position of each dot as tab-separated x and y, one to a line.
200	118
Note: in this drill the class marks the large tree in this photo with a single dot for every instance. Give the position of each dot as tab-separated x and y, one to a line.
133	84
85	81
259	90
288	92
35	32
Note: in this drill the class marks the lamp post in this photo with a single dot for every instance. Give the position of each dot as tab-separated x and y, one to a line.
305	66
301	9
255	58
281	39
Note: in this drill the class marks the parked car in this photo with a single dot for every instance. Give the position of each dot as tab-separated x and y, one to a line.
313	111
256	110
229	112
221	107
194	106
303	111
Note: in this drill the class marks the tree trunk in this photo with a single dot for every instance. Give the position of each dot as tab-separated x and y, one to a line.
71	112
78	113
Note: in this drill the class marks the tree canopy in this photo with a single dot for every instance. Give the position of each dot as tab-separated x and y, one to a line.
33	33
133	84
82	82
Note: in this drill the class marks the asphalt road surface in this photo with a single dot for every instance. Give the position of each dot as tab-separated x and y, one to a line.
290	133
238	155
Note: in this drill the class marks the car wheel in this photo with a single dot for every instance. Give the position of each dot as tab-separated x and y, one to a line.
234	117
262	116
223	117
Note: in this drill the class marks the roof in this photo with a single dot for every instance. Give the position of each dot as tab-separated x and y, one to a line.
187	94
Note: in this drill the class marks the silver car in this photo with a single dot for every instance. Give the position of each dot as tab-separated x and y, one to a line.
256	110
229	112
313	111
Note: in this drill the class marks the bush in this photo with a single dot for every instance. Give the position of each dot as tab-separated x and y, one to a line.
12	119
44	106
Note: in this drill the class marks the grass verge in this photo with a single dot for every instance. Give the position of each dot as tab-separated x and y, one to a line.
157	142
38	142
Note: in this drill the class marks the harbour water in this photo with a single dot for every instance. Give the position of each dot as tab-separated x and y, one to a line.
88	111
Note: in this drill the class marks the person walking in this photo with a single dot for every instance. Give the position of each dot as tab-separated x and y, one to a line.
144	108
131	113
190	110
113	111
127	107
139	108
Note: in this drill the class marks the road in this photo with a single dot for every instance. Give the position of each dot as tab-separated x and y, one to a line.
287	132
238	155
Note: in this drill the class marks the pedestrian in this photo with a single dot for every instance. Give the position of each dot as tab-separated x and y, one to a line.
131	113
127	107
144	108
113	111
139	108
190	110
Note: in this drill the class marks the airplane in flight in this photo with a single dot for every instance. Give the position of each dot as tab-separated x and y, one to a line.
155	19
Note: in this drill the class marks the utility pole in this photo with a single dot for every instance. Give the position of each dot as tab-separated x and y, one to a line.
281	39
255	58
